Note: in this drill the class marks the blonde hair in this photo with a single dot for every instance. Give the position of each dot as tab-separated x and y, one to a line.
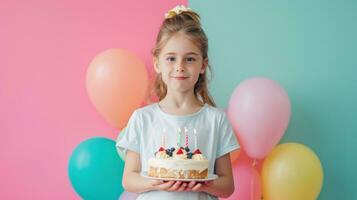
187	22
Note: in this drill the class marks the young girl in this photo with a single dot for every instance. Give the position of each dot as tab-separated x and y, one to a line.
181	62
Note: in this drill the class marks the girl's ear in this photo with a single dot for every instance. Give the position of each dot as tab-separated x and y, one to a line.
204	65
156	65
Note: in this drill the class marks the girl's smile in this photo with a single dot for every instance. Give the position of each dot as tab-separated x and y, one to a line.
180	78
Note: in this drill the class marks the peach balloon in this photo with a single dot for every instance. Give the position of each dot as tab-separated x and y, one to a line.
117	83
239	155
234	156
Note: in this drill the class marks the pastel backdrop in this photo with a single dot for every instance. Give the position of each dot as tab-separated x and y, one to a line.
46	47
308	47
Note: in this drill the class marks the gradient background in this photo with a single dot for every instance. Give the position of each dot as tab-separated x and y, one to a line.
309	47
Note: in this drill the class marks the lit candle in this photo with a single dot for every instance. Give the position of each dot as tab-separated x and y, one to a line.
195	134
186	137
179	137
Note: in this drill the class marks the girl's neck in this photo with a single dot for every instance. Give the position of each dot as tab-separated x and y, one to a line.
180	103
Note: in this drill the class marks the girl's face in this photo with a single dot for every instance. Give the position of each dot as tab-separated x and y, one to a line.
180	63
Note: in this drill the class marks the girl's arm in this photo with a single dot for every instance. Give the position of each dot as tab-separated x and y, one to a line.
133	182
224	185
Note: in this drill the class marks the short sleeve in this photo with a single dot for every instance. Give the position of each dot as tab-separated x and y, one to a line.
129	138
227	139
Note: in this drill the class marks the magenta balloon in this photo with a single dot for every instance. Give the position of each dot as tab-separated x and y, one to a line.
259	110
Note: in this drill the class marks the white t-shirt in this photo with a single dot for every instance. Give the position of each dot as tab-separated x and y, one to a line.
145	130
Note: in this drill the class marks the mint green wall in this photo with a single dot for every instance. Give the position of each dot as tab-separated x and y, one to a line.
310	48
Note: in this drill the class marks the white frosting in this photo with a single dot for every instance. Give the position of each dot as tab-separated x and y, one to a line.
179	156
198	157
161	154
179	164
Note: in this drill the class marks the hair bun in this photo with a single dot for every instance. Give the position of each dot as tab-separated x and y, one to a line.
176	11
184	13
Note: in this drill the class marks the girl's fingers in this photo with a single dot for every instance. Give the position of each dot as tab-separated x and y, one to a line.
166	186
197	187
191	184
183	187
175	186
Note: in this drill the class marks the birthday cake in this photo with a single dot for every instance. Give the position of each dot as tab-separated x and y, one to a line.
178	162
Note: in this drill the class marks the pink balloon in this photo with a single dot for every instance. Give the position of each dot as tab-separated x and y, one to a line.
241	156
259	110
246	182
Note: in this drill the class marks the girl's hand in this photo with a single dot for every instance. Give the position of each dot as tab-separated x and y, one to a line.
170	186
198	186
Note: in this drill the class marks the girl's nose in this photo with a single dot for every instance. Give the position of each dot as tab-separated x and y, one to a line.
180	69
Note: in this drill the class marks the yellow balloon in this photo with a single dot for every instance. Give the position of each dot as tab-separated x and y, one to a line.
291	172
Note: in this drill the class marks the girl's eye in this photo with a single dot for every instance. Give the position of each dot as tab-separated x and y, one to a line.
191	59
170	59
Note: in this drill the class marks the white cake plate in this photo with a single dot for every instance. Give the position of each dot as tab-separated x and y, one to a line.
209	178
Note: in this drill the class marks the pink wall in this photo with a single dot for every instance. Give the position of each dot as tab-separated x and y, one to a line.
45	111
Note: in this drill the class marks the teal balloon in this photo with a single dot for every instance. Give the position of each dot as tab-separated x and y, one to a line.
96	170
